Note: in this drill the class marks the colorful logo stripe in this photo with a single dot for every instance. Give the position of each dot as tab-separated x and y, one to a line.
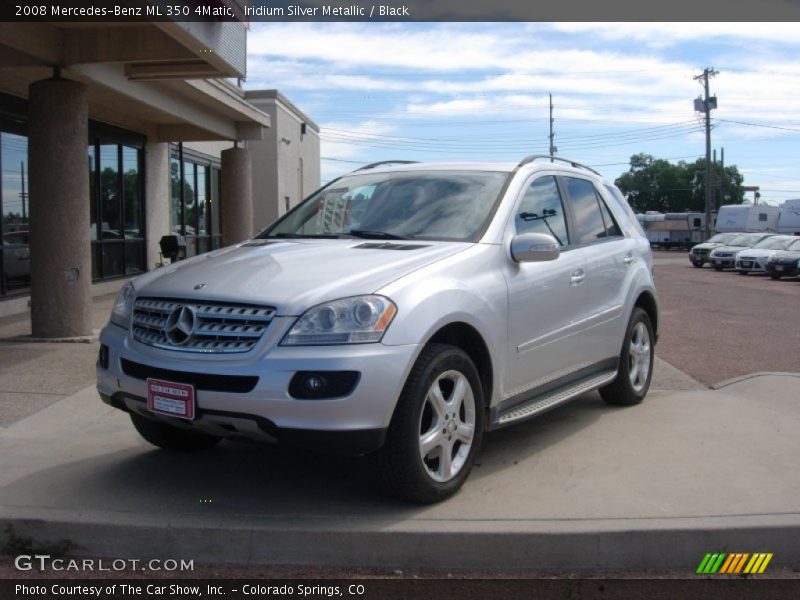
734	563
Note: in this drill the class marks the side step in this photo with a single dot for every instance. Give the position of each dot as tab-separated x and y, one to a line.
542	403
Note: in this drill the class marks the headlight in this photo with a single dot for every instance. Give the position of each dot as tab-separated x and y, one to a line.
356	320
123	306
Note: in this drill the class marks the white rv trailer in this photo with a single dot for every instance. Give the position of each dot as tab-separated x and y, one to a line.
747	218
673	230
789	221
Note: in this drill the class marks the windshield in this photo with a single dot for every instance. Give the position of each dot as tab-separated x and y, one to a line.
795	245
434	205
746	240
721	238
775	243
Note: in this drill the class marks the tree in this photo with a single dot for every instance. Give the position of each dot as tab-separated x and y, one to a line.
656	184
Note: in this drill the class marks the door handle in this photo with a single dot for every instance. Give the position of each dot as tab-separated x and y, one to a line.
628	258
577	277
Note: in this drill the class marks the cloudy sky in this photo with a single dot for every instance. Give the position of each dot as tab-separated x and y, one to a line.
479	91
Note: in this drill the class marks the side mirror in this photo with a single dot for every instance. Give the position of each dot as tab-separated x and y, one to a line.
534	247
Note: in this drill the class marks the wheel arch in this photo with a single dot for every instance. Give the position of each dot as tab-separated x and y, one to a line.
464	336
647	302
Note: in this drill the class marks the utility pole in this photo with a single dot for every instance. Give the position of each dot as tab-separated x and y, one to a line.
553	149
723	177
705	106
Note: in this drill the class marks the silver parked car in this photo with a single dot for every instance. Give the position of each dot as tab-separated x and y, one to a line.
400	311
723	257
754	260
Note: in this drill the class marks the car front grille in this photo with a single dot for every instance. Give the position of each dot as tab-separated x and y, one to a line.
211	327
700	251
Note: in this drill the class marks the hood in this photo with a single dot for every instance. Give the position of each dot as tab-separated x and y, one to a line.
709	245
293	275
733	249
787	255
757	252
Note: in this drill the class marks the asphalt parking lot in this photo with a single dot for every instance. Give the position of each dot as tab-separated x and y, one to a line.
720	325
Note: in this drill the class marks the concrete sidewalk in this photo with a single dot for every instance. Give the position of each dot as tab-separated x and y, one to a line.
584	486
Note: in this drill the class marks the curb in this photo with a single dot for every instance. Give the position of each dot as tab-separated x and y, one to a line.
727	382
596	544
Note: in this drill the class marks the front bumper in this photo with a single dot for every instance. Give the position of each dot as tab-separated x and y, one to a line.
698	259
263	409
750	265
724	262
784	270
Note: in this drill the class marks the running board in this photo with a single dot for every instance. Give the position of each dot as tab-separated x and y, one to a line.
540	404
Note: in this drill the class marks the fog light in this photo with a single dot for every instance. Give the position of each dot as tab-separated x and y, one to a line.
314	384
321	385
102	357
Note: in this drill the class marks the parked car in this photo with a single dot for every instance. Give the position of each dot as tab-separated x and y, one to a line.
754	260
724	257
785	263
466	297
16	259
698	255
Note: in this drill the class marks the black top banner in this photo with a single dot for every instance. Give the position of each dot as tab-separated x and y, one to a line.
246	11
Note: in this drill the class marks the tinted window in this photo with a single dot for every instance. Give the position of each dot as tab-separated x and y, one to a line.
612	229
587	210
541	211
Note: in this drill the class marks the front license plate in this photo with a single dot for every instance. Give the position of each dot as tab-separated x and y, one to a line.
779	267
746	264
169	398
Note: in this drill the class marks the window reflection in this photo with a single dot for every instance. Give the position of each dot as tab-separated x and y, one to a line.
15	202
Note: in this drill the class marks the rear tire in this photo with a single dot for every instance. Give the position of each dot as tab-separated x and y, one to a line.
169	437
436	429
635	363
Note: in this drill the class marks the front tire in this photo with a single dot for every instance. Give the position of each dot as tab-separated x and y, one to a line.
742	272
717	268
775	276
436	429
635	363
172	438
697	265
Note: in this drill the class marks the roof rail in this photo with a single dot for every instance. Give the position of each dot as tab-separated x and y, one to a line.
533	157
386	162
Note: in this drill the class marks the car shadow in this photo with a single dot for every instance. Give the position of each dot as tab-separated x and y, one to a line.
268	482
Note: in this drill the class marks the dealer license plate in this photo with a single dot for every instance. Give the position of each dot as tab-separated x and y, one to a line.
779	267
169	398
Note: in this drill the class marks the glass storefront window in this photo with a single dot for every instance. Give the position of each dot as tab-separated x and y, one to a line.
194	209
15	204
175	218
110	217
118	246
202	206
131	196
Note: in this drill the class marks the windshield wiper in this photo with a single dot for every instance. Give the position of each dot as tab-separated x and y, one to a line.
376	235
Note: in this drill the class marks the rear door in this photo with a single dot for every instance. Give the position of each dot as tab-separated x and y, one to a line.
608	255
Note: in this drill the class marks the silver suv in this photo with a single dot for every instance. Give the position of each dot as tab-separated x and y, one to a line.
400	311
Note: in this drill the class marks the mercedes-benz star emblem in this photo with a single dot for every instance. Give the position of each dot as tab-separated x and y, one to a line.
180	325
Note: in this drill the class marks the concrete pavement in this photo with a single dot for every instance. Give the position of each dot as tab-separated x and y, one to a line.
584	486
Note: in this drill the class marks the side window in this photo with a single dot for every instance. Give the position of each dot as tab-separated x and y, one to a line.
541	211
587	210
612	229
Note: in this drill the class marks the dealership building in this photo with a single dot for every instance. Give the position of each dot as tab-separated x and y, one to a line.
114	135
